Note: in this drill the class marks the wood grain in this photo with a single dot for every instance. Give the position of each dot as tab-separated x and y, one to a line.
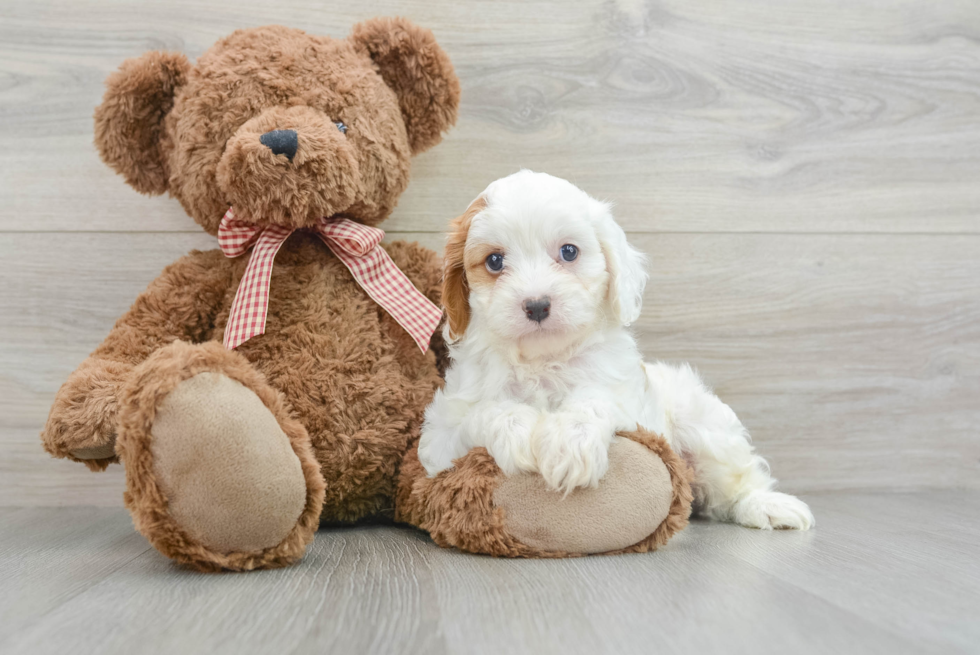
816	116
49	556
881	546
853	359
882	573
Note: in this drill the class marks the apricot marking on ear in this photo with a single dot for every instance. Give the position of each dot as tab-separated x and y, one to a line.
455	286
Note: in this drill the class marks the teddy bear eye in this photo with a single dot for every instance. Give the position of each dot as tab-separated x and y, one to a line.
340	126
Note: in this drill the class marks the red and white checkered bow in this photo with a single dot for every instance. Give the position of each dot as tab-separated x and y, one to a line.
354	244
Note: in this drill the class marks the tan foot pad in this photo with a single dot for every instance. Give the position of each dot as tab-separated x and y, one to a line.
631	501
227	469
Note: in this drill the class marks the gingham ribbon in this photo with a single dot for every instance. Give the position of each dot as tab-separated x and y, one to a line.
354	244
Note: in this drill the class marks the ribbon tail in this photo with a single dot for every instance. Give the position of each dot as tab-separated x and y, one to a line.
251	304
390	288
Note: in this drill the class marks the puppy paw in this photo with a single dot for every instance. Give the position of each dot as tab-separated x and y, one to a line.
571	452
510	443
769	510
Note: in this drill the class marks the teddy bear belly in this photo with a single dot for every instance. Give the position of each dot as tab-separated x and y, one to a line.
351	374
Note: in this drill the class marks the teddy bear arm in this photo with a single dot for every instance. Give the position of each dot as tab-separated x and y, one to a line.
181	304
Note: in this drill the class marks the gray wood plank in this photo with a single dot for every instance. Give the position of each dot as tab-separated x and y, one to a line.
685	598
360	590
877	575
853	359
907	562
813	116
31	477
49	556
389	591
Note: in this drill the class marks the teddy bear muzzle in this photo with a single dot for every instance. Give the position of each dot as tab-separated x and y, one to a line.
289	166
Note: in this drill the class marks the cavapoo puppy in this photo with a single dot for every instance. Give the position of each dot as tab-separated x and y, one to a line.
540	288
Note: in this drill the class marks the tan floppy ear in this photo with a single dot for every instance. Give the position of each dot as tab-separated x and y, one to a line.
418	70
455	288
129	122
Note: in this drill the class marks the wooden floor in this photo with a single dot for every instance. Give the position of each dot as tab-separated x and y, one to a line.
888	573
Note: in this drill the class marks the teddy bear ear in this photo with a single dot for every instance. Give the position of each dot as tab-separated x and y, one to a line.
418	70
129	122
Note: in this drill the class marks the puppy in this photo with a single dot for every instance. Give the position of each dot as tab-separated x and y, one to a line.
540	288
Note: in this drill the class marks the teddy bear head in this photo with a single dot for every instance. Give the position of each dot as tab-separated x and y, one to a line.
284	126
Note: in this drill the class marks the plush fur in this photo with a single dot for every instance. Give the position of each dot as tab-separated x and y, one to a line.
346	382
545	394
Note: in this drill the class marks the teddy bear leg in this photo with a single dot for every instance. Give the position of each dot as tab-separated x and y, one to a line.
644	499
218	476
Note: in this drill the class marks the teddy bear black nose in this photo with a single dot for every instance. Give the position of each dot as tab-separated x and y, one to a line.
281	142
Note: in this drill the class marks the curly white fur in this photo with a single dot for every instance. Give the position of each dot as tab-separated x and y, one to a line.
548	396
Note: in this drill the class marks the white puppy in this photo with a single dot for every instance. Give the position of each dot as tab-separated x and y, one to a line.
540	288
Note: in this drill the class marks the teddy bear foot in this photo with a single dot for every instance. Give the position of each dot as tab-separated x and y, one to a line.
644	499
627	512
217	474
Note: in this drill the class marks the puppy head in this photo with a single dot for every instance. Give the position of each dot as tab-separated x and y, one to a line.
535	260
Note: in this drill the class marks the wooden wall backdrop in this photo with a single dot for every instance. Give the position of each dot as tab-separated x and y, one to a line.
804	174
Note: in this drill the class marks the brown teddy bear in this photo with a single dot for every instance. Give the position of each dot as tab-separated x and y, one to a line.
255	390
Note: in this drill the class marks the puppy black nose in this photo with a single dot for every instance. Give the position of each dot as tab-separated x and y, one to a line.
281	142
537	309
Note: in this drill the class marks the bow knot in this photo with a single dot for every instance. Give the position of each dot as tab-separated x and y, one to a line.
354	244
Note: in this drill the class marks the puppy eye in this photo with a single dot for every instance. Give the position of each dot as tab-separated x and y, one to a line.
341	127
569	252
495	262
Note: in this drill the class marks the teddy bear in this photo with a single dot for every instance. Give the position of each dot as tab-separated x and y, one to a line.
278	382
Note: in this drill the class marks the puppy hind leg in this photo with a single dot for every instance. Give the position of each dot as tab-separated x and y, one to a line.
733	483
737	486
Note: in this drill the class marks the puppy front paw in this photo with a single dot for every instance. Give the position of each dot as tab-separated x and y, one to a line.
571	452
510	442
769	510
